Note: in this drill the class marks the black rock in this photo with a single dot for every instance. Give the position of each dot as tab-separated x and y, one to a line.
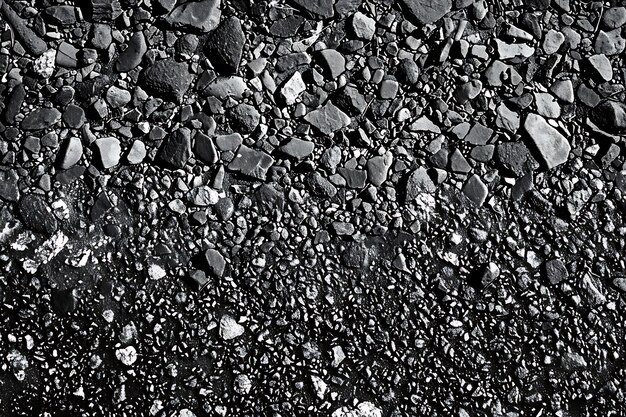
41	118
554	271
131	57
244	118
29	39
321	8
610	116
225	45
176	149
103	10
427	11
9	190
204	149
320	186
61	15
287	26
167	78
516	158
36	214
408	72
14	103
74	116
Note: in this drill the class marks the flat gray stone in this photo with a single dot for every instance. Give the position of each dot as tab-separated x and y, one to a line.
197	16
427	11
552	147
328	119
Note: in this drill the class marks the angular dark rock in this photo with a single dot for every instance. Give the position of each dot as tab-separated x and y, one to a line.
298	148
476	190
167	78
321	8
417	183
41	118
36	214
328	119
9	190
244	118
320	186
204	149
131	57
555	271
14	103
225	45
29	39
176	149
610	116
103	10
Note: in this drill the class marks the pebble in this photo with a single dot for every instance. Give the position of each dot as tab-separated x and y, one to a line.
476	190
244	118
131	57
251	163
71	152
118	97
109	151
176	149
427	11
128	355
293	88
321	8
36	215
552	41
610	116
9	190
41	118
229	328
601	65
201	16
552	147
328	119
363	26
225	45
168	79
137	152
298	148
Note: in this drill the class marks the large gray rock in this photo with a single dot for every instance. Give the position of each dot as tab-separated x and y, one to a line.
168	79
551	147
427	11
41	118
610	116
328	119
197	16
225	45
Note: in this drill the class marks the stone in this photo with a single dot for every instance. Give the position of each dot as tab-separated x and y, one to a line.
419	182
408	72
515	158
204	149
320	186
563	90
244	118
74	116
614	17
251	163
137	152
610	43
14	103
199	16
321	8
507	119
427	11
378	168
332	62
215	262
67	55
292	88
101	36
63	15
363	26
610	116
355	178
601	67
547	106
36	215
287	26
229	142
510	51
351	100
328	119
298	148
468	91
9	190
131	57
388	89
571	361
424	124
225	45
204	196
176	149
552	148
229	328
104	10
555	272
28	39
118	97
109	151
552	41
41	118
224	87
476	190
167	78
479	134
70	153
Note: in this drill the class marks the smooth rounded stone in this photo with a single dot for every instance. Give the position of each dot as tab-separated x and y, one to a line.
224	87
167	79
298	148
610	116
251	163
101	36
363	26
70	153
388	89
215	262
476	190
244	118
74	116
610	43
67	56
225	45
109	151
332	62
203	196
614	17
36	215
131	57
293	88
553	41
229	328
427	11
495	73
587	96
118	97
204	149
41	118
408	72
9	190
468	91
328	119
176	148
198	16
563	90
601	65
377	168
551	147
28	39
547	105
137	152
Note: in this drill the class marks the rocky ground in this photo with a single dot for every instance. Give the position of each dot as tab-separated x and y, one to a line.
312	208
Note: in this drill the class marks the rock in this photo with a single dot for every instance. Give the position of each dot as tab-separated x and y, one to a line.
9	190
29	39
229	328
364	409
547	105
427	11
552	147
601	66
36	214
229	142
610	43
610	116
614	17
507	51
67	56
215	262
419	182
355	178
351	100
109	151
298	148
104	10
571	362
363	26
293	88
424	124
167	78
320	186
475	190
563	90
388	89
70	153
131	57
555	272
251	162
378	167
63	16
468	91
204	149
515	158
137	152
244	118
101	36
332	62
408	72
14	103
287	26
117	97
224	87
204	196
176	149
41	118
328	119
507	119
225	45
74	116
128	355
479	134
198	16
552	41
321	8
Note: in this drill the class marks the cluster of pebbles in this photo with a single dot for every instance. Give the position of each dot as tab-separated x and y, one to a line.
312	207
